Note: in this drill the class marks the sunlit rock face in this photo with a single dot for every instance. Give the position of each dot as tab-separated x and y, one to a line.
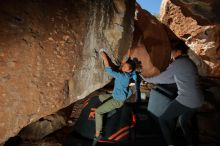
196	22
151	44
48	54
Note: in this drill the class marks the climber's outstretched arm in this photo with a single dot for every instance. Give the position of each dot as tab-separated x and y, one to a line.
105	59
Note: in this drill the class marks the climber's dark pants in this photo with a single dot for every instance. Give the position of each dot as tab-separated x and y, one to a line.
108	105
167	121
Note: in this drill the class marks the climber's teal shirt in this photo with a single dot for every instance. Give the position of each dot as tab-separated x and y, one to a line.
121	89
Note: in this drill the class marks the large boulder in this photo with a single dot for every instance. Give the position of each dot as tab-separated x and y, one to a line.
197	22
49	54
151	46
205	12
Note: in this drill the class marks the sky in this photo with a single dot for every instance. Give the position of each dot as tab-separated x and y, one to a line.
153	6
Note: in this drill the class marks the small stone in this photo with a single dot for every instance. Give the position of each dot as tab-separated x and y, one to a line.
50	39
66	37
70	122
49	84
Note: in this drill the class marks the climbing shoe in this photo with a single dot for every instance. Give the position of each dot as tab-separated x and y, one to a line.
96	139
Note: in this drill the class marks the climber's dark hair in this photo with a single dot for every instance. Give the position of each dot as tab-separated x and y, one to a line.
179	45
131	63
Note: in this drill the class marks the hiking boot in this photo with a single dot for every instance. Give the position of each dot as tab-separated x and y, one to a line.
96	139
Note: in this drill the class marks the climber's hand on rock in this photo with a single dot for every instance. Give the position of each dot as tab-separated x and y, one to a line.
104	55
102	50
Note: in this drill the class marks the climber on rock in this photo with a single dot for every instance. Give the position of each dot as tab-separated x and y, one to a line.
120	93
183	72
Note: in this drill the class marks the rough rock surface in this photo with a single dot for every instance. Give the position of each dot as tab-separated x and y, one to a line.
203	38
209	115
151	45
45	126
48	54
205	12
63	119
